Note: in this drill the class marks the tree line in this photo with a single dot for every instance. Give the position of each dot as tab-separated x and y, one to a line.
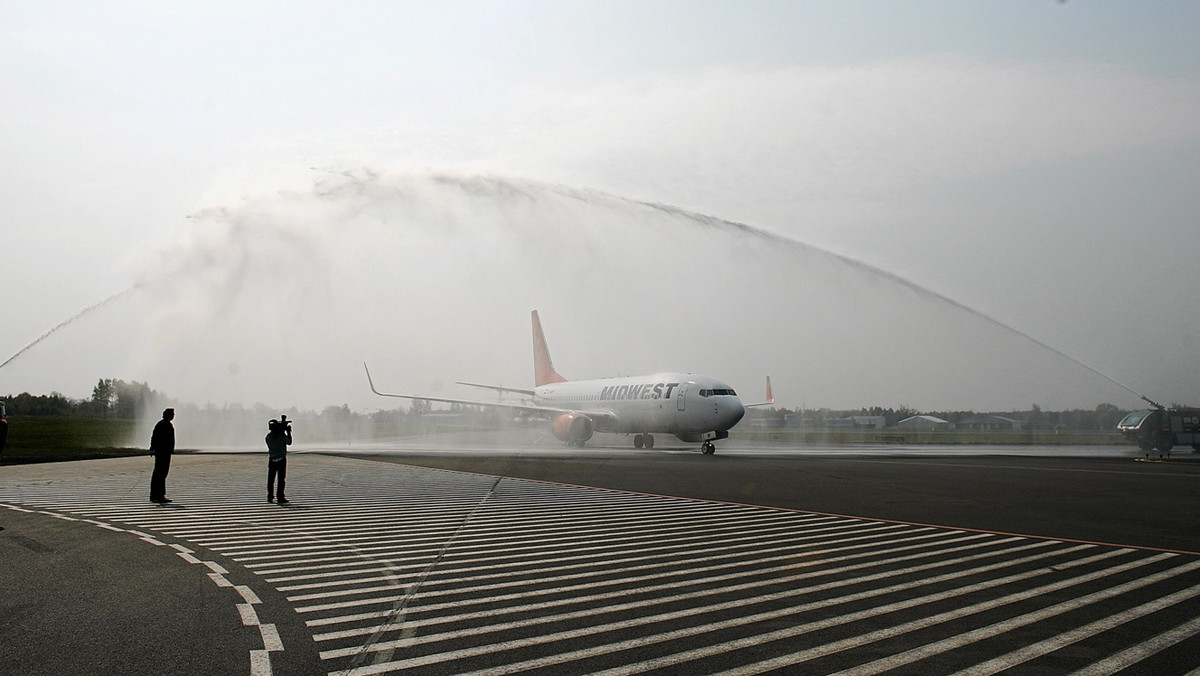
111	398
1103	417
236	424
118	399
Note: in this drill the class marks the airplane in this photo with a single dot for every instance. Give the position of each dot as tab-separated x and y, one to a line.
694	408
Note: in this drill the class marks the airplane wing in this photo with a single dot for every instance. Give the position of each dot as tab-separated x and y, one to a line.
545	411
528	408
498	388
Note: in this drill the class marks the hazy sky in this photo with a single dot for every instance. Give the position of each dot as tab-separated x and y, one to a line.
291	189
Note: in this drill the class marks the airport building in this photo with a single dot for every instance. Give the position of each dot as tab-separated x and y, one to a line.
991	423
925	422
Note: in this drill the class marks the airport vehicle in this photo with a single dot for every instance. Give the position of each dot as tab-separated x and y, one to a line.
1162	428
694	408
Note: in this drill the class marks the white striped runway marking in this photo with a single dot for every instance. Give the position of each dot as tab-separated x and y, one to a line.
402	569
260	660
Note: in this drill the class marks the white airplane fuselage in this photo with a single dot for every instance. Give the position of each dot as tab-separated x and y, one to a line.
691	407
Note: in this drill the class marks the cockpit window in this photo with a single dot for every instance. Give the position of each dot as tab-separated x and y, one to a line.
1134	419
718	392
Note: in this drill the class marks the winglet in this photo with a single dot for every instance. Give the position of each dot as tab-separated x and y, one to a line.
371	382
543	368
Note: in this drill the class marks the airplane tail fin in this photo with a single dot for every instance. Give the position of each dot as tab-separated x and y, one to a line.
770	396
543	369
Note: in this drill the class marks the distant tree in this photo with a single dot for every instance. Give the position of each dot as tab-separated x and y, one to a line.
336	414
25	403
420	407
131	400
1107	416
103	395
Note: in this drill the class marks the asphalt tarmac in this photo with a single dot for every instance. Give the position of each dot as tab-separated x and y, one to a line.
1104	497
75	600
77	597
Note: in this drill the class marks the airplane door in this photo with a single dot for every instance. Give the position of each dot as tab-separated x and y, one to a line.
681	398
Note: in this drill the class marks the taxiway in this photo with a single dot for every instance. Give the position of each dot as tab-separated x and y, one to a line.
506	560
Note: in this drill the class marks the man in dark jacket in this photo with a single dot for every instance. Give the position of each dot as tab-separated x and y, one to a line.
162	445
278	439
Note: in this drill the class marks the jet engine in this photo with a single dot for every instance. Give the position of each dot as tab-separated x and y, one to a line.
573	428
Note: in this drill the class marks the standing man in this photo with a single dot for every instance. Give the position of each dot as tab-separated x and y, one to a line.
3	427
278	439
162	445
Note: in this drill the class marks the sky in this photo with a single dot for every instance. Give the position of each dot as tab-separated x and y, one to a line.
944	206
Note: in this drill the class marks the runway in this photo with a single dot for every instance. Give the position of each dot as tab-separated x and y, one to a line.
604	561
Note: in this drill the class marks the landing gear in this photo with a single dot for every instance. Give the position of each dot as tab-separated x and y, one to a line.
643	441
708	448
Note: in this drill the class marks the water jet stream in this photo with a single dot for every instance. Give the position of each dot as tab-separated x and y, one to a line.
67	322
750	230
240	274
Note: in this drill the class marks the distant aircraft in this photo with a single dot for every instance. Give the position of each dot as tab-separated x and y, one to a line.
694	408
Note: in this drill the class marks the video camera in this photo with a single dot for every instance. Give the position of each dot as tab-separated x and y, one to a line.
282	425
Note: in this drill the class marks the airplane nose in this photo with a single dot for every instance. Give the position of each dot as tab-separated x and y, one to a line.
732	412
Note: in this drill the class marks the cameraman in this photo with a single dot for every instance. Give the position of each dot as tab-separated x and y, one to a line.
279	437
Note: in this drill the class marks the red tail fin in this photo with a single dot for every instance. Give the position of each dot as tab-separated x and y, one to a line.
543	369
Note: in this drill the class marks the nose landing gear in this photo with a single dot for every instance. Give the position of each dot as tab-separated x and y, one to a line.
643	441
707	448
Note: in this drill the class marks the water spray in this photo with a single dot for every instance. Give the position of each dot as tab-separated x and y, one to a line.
743	228
912	286
222	265
68	321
